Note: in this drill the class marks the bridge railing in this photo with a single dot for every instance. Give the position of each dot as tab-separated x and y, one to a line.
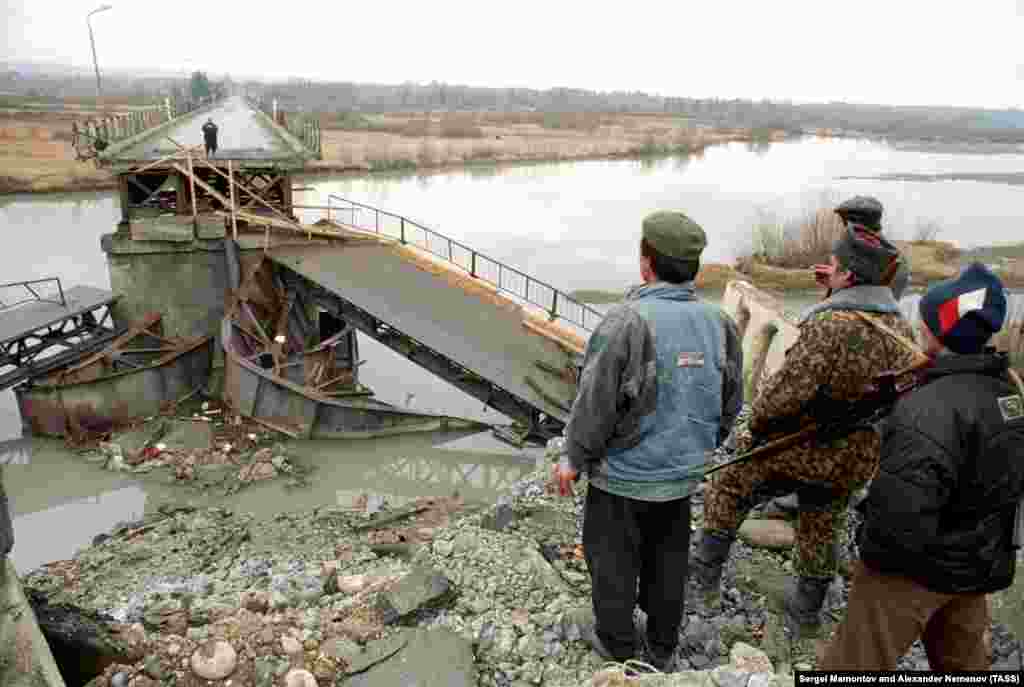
13	289
96	133
305	127
506	278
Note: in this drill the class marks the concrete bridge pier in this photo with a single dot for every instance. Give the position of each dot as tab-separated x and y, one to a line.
184	279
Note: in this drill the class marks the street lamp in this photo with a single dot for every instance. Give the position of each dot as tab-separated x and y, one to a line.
92	41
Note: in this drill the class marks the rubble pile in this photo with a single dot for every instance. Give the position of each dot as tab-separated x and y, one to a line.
450	592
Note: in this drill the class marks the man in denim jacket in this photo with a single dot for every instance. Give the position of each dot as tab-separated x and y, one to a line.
660	389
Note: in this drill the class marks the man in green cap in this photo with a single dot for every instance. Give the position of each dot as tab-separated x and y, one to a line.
660	390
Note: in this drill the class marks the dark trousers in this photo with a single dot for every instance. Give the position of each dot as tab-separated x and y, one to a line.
211	147
637	553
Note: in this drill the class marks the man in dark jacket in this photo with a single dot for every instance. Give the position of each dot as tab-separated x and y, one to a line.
660	389
939	517
210	137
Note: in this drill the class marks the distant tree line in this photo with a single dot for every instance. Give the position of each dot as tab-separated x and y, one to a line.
341	97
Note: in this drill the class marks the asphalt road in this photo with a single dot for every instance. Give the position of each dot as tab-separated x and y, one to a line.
240	135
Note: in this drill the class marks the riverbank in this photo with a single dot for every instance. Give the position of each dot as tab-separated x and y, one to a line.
930	261
457	593
36	155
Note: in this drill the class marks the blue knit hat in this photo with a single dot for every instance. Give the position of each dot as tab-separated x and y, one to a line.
964	312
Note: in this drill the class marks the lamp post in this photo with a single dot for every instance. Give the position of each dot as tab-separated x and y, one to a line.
92	41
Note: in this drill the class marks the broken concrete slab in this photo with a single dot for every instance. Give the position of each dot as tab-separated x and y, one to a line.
359	659
421	588
433	658
163	229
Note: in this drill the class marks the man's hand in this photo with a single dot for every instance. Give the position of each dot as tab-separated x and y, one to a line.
822	273
564	476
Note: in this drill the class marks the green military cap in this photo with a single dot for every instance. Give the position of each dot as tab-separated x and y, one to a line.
674	235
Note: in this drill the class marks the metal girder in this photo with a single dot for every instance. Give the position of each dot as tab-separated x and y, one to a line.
492	395
20	354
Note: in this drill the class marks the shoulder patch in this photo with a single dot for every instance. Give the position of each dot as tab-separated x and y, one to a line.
694	359
1011	407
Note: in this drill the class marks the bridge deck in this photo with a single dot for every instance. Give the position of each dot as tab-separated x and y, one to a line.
242	134
19	322
486	338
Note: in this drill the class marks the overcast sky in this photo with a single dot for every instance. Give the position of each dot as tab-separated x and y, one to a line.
879	51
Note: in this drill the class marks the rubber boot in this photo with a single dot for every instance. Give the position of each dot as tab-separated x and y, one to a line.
708	561
802	601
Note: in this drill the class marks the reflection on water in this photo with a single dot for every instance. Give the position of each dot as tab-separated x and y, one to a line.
571	224
60	501
575	224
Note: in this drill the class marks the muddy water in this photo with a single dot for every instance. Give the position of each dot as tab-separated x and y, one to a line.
572	224
60	501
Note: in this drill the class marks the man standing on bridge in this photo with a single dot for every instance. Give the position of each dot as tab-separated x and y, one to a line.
660	389
210	137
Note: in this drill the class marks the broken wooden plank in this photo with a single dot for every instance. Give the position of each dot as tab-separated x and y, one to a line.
143	326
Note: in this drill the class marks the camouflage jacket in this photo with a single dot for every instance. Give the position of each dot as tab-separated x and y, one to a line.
836	347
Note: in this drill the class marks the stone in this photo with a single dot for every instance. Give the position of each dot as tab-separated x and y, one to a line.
255	601
214	660
255	472
341	649
760	680
750	659
727	676
119	679
465	541
499	518
353	584
299	678
151	666
279	600
767	533
432	658
290	646
443	548
264	668
422	587
375	652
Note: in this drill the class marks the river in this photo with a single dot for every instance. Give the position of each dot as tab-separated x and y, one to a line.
572	224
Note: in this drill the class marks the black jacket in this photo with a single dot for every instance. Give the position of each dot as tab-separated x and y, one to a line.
210	132
941	510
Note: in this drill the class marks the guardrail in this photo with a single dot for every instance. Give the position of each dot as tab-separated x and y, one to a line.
506	278
27	285
304	127
95	134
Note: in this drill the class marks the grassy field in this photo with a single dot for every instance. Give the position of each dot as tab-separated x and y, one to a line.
354	142
36	155
35	144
